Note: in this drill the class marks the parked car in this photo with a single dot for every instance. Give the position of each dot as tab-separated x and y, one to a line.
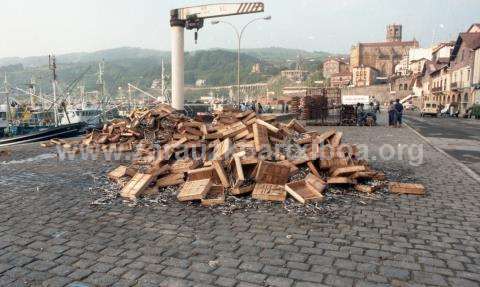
450	110
430	108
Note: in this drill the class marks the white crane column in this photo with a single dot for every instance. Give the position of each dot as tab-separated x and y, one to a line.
178	72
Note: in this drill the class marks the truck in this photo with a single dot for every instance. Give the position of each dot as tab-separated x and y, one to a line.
356	99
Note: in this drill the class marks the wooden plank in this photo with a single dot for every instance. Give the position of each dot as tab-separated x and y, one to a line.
312	168
239	190
273	173
221	173
241	135
184	165
223	149
260	136
406	188
341	180
296	126
203	173
303	192
239	175
234	129
194	190
364	188
363	174
120	172
215	196
293	167
336	139
136	185
326	135
316	182
270	127
170	180
347	171
269	192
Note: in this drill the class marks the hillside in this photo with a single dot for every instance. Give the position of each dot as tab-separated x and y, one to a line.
142	66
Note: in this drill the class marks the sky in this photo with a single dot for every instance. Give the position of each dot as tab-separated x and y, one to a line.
33	27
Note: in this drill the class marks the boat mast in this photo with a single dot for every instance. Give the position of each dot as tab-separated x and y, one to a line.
101	87
163	83
7	95
52	64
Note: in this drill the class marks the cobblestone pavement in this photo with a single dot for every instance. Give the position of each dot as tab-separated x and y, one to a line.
50	234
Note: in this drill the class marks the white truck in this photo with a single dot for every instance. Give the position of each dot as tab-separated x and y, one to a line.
356	99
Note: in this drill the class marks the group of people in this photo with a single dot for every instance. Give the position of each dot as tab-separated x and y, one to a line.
254	106
395	113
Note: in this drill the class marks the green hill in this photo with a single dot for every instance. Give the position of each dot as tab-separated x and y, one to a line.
142	66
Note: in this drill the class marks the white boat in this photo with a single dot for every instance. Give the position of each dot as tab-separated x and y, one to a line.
90	116
3	116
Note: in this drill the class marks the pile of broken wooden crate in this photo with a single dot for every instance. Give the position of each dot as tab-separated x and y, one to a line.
240	157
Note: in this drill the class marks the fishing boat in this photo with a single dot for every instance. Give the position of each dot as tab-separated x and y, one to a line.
62	131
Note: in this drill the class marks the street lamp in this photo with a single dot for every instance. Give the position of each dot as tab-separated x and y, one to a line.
239	35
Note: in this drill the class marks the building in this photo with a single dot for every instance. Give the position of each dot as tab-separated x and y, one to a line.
364	76
340	80
335	66
382	56
394	33
200	83
256	68
462	67
295	75
476	77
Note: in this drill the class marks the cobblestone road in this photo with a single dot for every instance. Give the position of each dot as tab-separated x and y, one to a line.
50	234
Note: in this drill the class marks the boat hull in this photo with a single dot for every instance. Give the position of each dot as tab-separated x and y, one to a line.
63	131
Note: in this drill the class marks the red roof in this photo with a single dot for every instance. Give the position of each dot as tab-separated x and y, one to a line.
470	40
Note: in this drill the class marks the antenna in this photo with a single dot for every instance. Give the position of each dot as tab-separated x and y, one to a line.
52	65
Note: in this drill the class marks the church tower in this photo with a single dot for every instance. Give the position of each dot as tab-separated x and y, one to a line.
394	33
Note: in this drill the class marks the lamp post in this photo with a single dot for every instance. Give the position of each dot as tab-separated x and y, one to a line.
239	35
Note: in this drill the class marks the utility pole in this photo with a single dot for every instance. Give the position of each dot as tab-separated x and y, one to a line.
192	18
239	34
7	96
52	64
164	98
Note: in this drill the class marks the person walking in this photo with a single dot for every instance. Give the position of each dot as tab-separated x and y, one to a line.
399	112
376	106
392	115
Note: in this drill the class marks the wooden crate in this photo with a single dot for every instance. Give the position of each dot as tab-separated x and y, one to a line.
215	196
303	192
194	190
406	188
274	173
270	192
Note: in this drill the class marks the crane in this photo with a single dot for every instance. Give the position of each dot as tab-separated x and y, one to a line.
192	18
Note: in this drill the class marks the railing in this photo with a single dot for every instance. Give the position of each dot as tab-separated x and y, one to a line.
436	89
454	85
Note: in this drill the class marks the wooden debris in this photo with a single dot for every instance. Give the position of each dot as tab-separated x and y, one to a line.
221	173
364	188
341	180
170	180
303	192
406	188
260	135
237	153
239	190
136	185
346	171
215	196
120	172
269	192
273	173
194	190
